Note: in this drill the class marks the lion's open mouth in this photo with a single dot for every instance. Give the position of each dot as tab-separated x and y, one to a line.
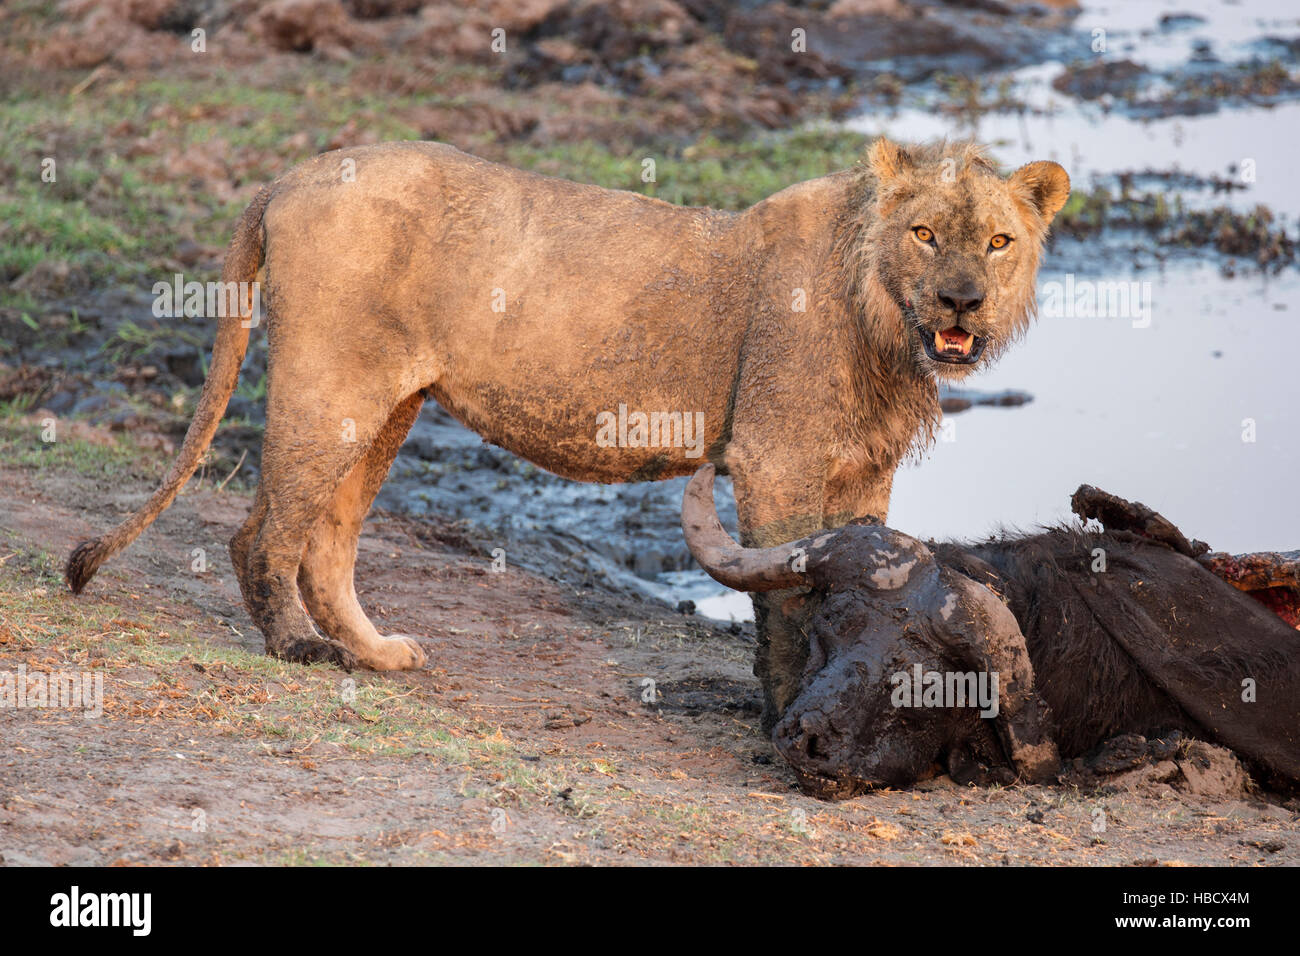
952	346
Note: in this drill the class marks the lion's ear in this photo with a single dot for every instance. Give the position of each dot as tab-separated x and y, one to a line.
888	160
1045	184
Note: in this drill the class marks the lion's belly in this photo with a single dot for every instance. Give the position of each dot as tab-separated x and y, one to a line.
592	424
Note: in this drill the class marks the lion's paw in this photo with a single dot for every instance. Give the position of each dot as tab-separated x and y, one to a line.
396	652
316	650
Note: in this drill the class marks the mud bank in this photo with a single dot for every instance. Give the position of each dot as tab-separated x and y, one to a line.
529	739
616	69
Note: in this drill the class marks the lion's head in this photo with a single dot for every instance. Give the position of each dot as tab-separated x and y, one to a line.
952	248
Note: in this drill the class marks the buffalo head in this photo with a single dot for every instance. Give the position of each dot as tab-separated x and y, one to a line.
910	663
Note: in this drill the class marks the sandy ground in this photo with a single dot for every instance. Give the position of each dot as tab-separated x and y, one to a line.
527	738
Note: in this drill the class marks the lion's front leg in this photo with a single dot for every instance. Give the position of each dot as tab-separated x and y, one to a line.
858	492
776	505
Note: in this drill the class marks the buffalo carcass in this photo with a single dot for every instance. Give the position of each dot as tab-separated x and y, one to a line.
996	660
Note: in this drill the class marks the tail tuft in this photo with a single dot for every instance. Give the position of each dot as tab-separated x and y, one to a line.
83	562
242	262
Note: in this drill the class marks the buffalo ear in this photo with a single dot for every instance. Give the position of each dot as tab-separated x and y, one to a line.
1045	184
888	160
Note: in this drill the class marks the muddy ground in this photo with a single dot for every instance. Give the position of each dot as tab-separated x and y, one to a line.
527	739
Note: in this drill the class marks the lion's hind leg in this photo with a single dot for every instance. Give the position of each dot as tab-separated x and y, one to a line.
317	431
325	577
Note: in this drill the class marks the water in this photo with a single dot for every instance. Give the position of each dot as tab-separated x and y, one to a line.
1092	144
1230	29
1092	141
1156	414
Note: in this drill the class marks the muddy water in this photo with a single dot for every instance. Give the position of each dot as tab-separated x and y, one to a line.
1091	142
1187	401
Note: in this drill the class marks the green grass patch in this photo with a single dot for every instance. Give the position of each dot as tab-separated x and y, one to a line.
154	659
709	172
23	444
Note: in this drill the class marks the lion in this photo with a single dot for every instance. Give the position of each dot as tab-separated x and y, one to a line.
796	345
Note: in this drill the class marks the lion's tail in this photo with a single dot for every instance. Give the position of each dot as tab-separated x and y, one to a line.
243	259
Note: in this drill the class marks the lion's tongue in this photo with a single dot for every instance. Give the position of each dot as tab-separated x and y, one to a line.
956	340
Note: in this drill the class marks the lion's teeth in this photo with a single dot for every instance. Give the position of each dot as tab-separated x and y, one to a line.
938	341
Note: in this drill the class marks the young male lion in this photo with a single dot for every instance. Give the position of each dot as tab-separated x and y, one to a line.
802	337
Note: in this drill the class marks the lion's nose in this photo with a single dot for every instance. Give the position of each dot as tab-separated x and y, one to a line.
966	299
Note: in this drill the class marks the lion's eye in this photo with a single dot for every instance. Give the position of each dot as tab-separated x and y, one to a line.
1000	241
925	235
